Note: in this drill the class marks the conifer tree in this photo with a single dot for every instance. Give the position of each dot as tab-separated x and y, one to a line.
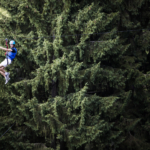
71	88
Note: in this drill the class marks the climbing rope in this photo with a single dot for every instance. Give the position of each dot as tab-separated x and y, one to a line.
7	131
7	48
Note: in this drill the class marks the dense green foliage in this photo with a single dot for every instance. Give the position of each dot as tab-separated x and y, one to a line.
72	89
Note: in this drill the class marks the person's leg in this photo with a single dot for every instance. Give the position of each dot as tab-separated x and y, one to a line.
5	74
4	64
2	69
2	73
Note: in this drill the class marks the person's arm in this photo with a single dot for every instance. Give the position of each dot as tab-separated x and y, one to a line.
5	49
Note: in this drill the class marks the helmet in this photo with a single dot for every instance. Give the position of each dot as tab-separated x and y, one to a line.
12	42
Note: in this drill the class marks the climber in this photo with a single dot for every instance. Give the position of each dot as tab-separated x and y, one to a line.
10	55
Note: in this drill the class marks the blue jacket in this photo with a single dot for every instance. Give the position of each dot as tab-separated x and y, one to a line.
12	55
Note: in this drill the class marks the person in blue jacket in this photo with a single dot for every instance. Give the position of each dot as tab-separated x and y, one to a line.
10	56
